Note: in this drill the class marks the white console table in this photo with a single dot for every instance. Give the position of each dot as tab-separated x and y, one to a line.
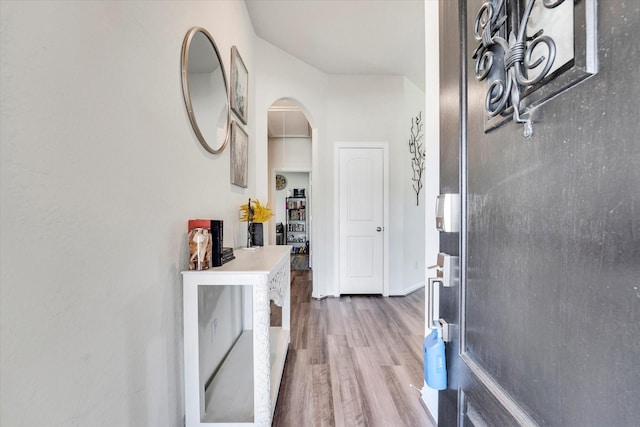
266	272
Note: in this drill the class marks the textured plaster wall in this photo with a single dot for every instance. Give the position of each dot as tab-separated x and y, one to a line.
100	172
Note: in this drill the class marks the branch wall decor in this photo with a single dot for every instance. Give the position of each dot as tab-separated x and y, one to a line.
416	148
525	46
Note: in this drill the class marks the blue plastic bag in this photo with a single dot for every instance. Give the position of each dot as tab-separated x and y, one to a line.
435	362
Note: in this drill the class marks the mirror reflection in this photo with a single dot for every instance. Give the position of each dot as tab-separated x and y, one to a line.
204	86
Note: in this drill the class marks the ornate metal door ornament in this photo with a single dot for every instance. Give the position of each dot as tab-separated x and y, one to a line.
509	62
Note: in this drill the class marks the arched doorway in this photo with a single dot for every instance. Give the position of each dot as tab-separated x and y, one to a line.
290	143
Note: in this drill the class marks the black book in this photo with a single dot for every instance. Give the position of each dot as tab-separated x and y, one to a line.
216	242
227	255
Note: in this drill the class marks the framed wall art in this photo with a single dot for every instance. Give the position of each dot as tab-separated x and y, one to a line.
239	155
239	86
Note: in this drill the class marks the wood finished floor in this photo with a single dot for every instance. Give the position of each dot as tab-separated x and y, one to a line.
351	360
299	262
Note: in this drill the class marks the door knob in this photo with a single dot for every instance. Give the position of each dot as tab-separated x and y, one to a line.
379	229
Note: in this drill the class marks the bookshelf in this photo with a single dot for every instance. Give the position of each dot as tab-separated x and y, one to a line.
296	226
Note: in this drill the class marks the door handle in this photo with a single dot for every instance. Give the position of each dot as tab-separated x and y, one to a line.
379	229
434	321
447	276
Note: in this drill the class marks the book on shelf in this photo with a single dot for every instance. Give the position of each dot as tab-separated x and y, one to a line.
215	227
297	228
296	215
227	255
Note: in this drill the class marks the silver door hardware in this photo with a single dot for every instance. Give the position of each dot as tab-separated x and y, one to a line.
448	213
446	269
379	229
434	321
433	295
446	332
447	276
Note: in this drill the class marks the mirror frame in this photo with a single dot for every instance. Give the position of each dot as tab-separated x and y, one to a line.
186	45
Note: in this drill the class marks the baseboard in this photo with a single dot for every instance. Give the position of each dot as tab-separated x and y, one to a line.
402	293
408	291
429	400
426	409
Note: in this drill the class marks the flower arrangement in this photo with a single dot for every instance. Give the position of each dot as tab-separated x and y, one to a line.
257	213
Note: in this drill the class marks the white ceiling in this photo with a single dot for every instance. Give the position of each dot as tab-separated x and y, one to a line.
370	37
353	37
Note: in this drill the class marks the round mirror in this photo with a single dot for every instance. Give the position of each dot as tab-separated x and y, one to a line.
204	86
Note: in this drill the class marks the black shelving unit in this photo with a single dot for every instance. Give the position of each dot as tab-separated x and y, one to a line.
296	227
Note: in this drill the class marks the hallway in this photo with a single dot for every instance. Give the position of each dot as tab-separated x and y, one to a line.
351	360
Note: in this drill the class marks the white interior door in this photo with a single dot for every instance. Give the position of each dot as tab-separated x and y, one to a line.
361	212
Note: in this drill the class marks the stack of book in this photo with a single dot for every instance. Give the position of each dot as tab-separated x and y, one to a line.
227	255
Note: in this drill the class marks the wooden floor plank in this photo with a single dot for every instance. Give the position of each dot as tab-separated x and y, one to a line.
350	407
351	360
405	398
371	377
322	396
317	340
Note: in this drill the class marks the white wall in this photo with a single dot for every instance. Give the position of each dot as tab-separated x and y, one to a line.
432	163
100	173
291	153
280	75
346	109
365	109
285	156
413	220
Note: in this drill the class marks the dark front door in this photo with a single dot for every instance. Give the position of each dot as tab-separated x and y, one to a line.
547	314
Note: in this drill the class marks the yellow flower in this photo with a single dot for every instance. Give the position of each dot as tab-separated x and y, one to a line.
261	213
